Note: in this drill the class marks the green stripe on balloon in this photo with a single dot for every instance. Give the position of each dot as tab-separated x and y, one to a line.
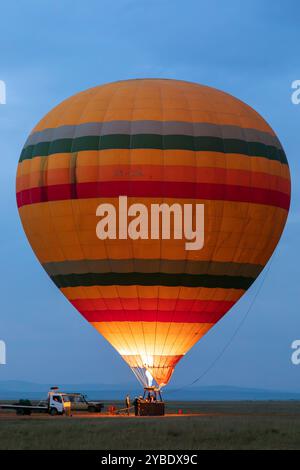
154	141
152	279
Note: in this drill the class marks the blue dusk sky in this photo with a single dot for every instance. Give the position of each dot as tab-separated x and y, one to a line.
52	49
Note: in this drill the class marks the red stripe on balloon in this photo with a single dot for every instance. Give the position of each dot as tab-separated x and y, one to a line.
155	189
151	316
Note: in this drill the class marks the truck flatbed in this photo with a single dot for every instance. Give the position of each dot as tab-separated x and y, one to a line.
25	407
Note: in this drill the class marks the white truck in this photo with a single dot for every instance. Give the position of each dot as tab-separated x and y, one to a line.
57	403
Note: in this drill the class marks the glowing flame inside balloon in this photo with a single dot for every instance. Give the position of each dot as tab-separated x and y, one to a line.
149	378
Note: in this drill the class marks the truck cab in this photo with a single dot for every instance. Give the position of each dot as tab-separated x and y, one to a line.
58	403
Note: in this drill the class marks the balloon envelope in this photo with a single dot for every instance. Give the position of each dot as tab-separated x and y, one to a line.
155	141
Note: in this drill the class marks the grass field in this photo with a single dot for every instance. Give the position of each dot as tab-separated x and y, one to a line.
222	425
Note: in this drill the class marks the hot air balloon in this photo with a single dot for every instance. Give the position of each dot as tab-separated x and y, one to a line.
153	141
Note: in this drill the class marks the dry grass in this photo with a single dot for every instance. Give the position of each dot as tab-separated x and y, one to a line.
233	426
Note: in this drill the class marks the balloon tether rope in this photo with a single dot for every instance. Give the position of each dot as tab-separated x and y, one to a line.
236	331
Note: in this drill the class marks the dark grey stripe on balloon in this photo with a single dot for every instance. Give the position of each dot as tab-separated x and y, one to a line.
153	266
196	129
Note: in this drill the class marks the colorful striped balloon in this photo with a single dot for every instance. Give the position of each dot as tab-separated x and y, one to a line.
155	141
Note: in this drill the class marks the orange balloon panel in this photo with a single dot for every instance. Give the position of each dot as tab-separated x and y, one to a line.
156	142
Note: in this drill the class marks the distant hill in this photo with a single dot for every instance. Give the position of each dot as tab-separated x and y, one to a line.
227	393
14	389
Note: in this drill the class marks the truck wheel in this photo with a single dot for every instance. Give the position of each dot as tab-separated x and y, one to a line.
53	412
92	409
20	412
